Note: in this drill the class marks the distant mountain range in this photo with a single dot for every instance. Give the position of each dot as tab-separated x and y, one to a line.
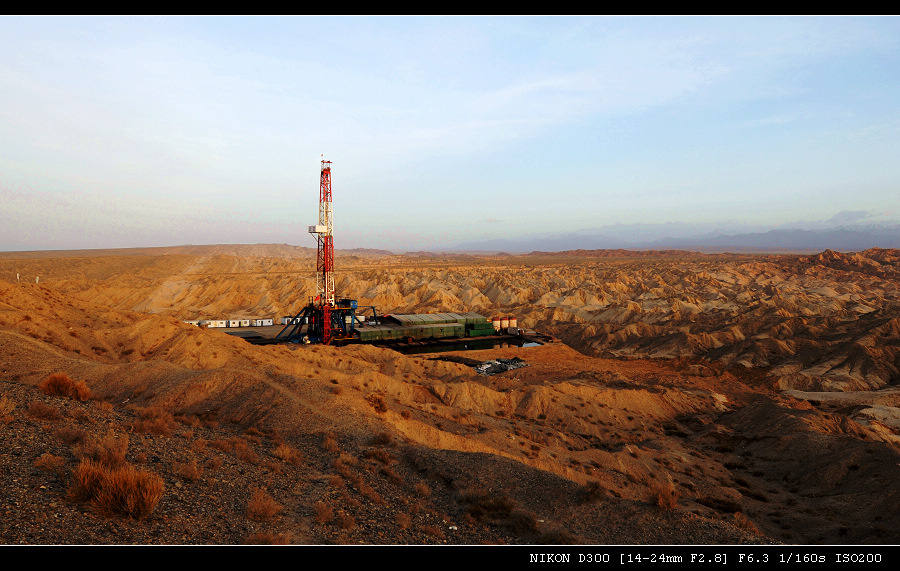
848	238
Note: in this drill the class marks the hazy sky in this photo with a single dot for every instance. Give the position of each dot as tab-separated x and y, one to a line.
125	132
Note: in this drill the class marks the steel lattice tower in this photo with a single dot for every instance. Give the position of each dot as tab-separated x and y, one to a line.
324	232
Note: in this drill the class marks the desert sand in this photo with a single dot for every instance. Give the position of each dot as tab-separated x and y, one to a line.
714	399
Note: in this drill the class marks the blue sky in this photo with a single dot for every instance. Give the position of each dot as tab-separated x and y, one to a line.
129	132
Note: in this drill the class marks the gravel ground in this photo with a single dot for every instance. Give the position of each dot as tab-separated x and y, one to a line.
330	492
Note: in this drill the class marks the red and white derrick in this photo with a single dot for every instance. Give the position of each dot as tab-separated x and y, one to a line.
324	232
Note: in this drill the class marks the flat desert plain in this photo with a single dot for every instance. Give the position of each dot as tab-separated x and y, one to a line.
689	399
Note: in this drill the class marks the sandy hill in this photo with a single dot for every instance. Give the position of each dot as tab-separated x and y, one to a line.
693	399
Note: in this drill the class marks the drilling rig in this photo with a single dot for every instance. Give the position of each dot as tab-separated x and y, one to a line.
325	319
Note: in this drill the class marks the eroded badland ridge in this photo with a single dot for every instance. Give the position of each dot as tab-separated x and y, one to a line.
692	399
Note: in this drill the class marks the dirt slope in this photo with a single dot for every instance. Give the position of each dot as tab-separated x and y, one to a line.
667	426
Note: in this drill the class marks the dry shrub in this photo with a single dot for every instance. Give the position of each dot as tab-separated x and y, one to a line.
51	463
125	490
188	420
377	402
273	466
262	506
81	415
593	492
70	436
423	490
370	493
381	439
288	453
744	522
42	411
485	505
346	521
330	444
381	455
6	408
214	463
392	474
105	406
324	512
189	471
108	450
221	445
522	521
433	531
343	462
153	426
243	451
154	420
60	384
666	496
403	520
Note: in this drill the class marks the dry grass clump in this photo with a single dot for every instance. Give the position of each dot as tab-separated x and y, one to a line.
262	506
489	507
60	384
324	512
51	463
377	402
6	408
403	520
42	411
392	474
665	496
189	471
188	420
154	420
343	465
70	436
593	492
214	463
381	455
330	444
346	521
221	445
381	439
288	453
433	531
369	492
243	451
108	450
744	522
125	490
